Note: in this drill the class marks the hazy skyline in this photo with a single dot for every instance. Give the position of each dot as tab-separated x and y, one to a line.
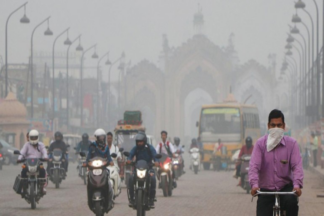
136	27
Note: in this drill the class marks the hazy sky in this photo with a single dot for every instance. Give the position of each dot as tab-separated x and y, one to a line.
136	26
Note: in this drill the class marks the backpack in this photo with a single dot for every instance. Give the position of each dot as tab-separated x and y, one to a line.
167	147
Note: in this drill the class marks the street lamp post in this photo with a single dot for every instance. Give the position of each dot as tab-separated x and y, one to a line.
109	82
47	32
81	78
79	48
24	19
66	42
98	84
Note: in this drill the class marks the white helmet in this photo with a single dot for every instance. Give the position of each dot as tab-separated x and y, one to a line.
33	137
100	136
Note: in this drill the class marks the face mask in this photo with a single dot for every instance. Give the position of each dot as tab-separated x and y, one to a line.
274	138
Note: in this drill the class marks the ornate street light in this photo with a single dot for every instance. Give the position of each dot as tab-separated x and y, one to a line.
300	4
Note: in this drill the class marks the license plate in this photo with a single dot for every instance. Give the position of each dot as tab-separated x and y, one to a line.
97	171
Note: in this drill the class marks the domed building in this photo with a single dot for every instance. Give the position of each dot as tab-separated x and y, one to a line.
13	121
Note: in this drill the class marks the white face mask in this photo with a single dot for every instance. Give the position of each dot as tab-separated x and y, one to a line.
274	138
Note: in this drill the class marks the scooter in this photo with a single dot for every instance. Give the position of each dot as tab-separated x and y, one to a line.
245	162
195	159
99	190
114	175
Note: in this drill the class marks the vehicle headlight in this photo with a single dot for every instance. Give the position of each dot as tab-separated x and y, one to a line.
57	158
97	172
32	169
175	162
96	163
166	166
141	173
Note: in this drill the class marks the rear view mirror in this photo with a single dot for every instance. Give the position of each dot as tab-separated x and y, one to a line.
158	156
121	149
113	155
17	152
126	154
82	154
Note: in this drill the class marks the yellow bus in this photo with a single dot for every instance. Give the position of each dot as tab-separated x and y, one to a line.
231	122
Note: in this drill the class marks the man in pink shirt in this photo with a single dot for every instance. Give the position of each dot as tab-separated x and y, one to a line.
276	165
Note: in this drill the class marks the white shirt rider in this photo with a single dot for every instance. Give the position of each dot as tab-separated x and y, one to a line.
164	143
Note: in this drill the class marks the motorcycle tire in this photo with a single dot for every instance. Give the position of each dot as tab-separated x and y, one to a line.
56	179
170	187
98	209
140	205
176	174
32	196
195	169
165	185
127	179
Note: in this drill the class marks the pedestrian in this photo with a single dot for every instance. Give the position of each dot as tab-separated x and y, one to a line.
314	144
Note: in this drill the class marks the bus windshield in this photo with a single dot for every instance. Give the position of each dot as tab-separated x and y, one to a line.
126	139
220	123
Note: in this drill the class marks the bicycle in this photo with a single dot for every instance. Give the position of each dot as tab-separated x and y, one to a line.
276	207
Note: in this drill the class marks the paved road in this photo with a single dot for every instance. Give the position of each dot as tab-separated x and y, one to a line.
208	193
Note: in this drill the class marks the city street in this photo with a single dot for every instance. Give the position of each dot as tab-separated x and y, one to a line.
208	193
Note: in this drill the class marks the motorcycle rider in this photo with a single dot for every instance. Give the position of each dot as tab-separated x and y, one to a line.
83	145
247	149
143	151
58	144
179	150
166	147
112	148
33	149
99	149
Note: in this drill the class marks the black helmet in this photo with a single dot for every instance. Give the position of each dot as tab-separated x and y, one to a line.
177	140
58	135
143	133
85	137
140	137
248	140
194	141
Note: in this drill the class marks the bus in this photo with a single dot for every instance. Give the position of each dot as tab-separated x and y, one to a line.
231	122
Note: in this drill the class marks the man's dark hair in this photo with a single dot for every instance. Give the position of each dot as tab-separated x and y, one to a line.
164	132
110	134
276	114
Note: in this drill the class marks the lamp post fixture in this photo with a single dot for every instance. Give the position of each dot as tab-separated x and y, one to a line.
79	48
48	32
81	77
66	42
24	19
98	86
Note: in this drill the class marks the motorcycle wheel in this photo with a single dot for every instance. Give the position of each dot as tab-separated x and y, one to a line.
98	209
56	179
127	179
170	187
176	174
84	177
164	185
32	195
196	169
139	204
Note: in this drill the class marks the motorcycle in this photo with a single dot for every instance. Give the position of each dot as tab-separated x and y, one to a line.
177	163
165	175
195	159
245	162
57	172
114	175
33	185
142	185
82	169
99	189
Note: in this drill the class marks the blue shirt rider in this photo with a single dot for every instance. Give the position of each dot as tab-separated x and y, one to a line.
83	145
143	151
99	147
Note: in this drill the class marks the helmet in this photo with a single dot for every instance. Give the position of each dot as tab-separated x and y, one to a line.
100	136
194	141
248	140
58	136
140	137
33	137
177	140
85	137
143	133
